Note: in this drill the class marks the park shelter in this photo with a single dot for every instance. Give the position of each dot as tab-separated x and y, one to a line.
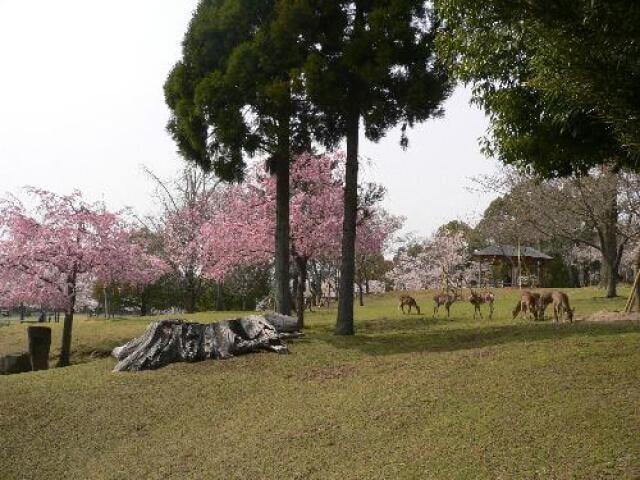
519	258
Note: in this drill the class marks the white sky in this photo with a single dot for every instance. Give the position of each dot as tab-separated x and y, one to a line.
81	106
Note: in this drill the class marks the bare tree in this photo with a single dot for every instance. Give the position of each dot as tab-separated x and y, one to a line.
599	210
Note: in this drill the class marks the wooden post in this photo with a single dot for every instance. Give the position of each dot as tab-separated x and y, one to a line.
39	345
629	306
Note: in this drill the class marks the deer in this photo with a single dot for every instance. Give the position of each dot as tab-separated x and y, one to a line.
408	301
529	303
561	305
478	299
545	300
447	299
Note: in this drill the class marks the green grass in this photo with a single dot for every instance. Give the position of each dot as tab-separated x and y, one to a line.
408	397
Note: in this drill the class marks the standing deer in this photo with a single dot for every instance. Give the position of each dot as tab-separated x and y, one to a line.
478	299
408	301
446	299
529	303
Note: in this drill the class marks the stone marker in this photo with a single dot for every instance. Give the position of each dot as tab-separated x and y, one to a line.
15	363
39	345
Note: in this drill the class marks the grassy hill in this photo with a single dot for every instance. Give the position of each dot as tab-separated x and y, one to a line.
408	397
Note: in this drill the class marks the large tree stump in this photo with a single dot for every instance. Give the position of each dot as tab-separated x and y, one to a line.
169	341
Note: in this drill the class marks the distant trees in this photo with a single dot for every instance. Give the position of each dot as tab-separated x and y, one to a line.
598	210
440	261
374	234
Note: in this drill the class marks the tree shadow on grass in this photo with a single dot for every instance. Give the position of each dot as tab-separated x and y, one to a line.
395	340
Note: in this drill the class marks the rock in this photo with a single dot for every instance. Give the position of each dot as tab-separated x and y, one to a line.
169	341
15	363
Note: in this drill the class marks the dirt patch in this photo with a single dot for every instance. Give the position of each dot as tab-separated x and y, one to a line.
607	316
328	373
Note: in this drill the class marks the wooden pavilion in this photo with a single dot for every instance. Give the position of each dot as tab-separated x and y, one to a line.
520	259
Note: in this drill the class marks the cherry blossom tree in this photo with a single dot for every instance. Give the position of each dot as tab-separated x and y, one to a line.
50	252
133	267
242	229
187	203
374	233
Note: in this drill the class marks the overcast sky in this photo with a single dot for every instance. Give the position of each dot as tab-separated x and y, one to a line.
81	106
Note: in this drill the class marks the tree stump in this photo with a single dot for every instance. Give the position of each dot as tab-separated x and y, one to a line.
169	341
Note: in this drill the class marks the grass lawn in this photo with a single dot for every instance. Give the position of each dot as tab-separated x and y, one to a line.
408	397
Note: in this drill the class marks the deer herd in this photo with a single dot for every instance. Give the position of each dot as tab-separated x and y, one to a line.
531	304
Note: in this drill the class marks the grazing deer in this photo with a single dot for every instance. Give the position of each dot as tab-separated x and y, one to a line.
446	299
478	299
561	306
545	300
529	303
408	301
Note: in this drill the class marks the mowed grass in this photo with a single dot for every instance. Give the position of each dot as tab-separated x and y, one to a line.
408	397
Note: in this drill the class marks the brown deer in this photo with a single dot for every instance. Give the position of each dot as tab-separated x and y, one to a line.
529	303
408	301
489	298
545	300
447	299
561	306
478	299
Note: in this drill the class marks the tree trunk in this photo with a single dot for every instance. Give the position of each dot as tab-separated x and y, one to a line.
301	264
637	272
610	262
144	307
366	287
282	162
361	294
612	281
344	323
608	233
65	349
21	312
169	341
190	300
219	296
